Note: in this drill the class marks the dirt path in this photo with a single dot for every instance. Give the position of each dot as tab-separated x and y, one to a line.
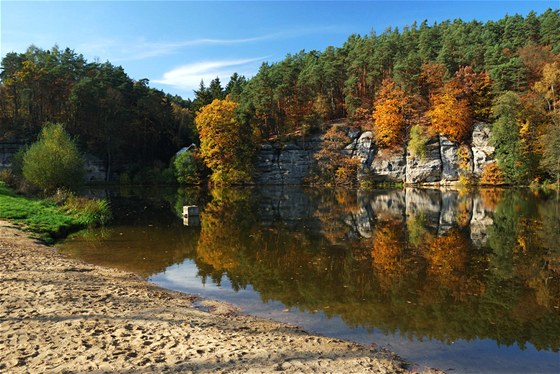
61	315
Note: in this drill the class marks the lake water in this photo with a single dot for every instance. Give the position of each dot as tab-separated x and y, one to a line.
468	282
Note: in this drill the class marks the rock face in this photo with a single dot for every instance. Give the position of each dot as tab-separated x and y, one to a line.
286	165
481	220
428	169
285	205
388	165
95	170
364	148
449	159
292	163
482	150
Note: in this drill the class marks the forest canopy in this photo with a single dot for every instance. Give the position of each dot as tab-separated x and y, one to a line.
444	77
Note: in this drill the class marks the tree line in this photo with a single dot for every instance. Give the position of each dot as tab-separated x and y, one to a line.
404	85
121	120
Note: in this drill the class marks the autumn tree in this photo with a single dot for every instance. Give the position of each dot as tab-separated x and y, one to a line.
387	246
476	89
431	79
450	115
389	114
335	167
534	57
225	143
224	220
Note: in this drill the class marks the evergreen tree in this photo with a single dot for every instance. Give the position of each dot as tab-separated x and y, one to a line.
505	137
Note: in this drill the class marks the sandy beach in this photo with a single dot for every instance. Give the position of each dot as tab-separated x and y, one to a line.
62	315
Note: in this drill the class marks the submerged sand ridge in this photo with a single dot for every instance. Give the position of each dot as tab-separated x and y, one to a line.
62	315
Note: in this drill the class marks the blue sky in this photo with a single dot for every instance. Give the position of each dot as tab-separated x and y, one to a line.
177	43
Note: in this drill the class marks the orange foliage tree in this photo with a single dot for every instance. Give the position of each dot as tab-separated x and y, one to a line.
389	114
336	167
492	175
450	116
455	105
476	89
387	254
223	221
225	143
431	78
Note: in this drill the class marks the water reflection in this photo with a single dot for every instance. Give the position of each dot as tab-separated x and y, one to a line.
426	264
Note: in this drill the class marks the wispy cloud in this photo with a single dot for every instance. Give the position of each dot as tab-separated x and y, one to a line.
187	77
141	49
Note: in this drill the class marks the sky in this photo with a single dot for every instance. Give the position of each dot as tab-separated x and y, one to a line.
177	43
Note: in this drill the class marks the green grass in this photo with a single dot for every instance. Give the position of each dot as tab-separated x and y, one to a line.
47	219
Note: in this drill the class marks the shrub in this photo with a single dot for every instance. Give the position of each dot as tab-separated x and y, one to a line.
87	211
417	142
53	161
7	176
464	163
492	175
187	168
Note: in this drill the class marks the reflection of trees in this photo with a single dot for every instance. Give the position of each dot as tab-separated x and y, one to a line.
405	278
224	222
388	253
491	197
334	205
188	196
143	248
447	258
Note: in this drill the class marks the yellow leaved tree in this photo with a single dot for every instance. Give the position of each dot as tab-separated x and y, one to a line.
389	114
225	143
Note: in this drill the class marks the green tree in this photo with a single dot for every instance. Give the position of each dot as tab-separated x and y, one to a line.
505	136
54	160
548	88
235	86
187	168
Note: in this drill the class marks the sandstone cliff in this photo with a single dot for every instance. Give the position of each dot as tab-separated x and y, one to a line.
291	163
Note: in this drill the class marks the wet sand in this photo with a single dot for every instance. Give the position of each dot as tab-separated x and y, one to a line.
62	315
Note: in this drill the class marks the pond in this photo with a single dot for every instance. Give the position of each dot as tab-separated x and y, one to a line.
461	281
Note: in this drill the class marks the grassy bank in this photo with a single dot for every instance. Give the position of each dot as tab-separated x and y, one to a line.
53	218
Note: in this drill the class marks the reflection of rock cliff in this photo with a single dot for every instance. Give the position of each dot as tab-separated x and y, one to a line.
439	210
356	214
291	163
288	206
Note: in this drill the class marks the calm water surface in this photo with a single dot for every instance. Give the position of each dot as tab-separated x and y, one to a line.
461	281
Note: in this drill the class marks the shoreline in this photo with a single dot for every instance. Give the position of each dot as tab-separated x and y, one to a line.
62	315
